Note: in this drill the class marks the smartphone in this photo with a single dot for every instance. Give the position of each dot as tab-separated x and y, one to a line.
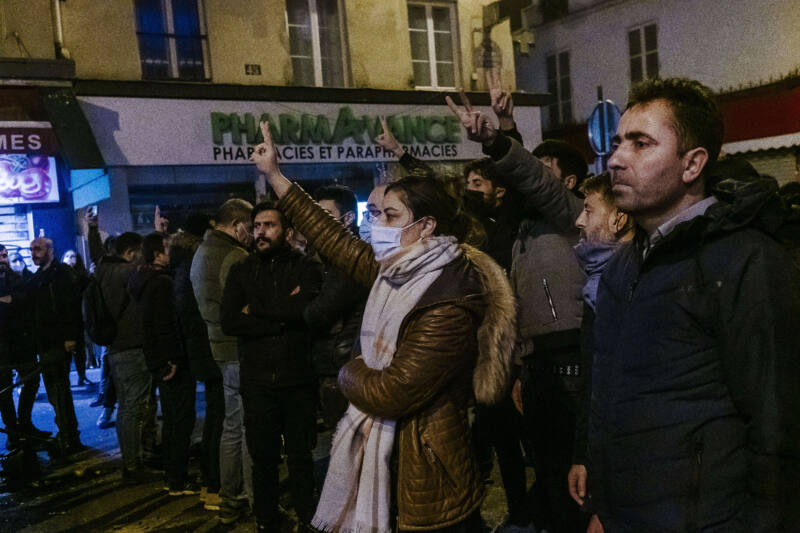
92	211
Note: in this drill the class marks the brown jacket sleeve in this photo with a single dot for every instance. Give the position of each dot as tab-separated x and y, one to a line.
434	350
329	236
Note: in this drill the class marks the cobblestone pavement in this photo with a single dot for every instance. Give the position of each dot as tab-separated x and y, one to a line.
85	493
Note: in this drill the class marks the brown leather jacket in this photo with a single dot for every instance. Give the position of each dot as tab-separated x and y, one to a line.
460	333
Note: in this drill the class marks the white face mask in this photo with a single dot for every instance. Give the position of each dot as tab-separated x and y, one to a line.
385	240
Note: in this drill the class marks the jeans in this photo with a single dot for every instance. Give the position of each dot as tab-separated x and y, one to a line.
55	372
212	433
235	466
177	405
550	405
132	381
107	394
268	414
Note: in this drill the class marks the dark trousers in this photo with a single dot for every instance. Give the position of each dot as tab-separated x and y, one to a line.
549	402
498	426
177	407
55	372
212	433
21	415
268	414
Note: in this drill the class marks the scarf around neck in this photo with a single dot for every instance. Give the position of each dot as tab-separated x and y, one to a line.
593	256
356	495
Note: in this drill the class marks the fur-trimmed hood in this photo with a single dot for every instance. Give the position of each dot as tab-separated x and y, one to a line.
497	333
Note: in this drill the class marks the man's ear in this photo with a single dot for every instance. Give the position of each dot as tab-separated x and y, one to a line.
694	161
619	221
570	181
499	192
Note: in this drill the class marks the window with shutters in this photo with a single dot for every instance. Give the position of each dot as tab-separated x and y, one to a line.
559	111
643	49
316	42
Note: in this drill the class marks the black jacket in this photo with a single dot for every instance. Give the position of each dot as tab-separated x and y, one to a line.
113	274
274	345
55	306
192	327
15	325
334	321
695	414
151	288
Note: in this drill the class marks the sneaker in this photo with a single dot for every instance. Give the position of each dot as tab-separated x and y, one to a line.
104	420
212	502
229	514
97	402
182	489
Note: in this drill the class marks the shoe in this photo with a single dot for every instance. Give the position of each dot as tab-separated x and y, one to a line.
182	489
229	514
138	476
104	420
96	403
84	382
212	502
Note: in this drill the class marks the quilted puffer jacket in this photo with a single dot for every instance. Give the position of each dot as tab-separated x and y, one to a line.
455	343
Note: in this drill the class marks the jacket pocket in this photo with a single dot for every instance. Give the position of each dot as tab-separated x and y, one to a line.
434	461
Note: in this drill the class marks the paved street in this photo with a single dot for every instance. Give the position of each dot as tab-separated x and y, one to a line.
86	494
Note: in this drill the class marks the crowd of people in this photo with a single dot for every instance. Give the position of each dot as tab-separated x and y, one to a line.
629	334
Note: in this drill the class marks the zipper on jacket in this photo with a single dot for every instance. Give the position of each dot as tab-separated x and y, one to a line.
549	299
433	459
695	489
631	289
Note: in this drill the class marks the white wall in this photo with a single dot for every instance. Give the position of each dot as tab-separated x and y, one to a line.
721	44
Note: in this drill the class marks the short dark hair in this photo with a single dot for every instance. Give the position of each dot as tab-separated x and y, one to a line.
570	160
486	169
599	184
127	241
697	119
2	247
152	244
233	210
270	206
343	197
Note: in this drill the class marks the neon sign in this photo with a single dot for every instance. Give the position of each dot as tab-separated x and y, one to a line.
26	179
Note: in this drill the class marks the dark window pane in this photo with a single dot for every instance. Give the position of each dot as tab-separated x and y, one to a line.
563	64
553	113
422	73
650	38
445	72
154	56
551	68
419	45
300	40
303	71
441	18
332	72
652	65
566	88
552	88
416	18
190	58
297	12
185	18
634	43
566	112
150	16
636	69
444	46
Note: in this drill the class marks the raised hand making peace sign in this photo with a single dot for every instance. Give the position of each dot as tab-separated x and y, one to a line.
387	140
479	127
265	156
502	102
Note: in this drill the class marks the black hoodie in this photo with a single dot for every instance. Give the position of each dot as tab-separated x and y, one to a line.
151	288
695	415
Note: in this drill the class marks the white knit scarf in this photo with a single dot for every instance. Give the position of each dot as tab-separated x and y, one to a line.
356	494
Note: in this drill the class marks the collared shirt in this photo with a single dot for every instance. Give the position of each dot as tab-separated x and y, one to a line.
666	228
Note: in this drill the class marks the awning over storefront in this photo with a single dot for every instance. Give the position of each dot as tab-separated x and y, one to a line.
764	143
33	110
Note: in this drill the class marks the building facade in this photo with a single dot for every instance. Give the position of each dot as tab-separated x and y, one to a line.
173	91
745	51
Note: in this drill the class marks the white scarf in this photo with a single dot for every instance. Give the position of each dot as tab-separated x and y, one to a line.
356	494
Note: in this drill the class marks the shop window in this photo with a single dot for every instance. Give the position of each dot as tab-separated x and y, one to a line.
173	43
316	42
434	50
643	48
558	84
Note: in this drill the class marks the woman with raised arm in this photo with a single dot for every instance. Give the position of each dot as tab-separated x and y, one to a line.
438	328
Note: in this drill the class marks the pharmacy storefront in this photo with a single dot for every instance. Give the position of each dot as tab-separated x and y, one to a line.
190	154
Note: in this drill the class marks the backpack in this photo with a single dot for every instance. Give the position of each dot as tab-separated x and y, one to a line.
97	320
